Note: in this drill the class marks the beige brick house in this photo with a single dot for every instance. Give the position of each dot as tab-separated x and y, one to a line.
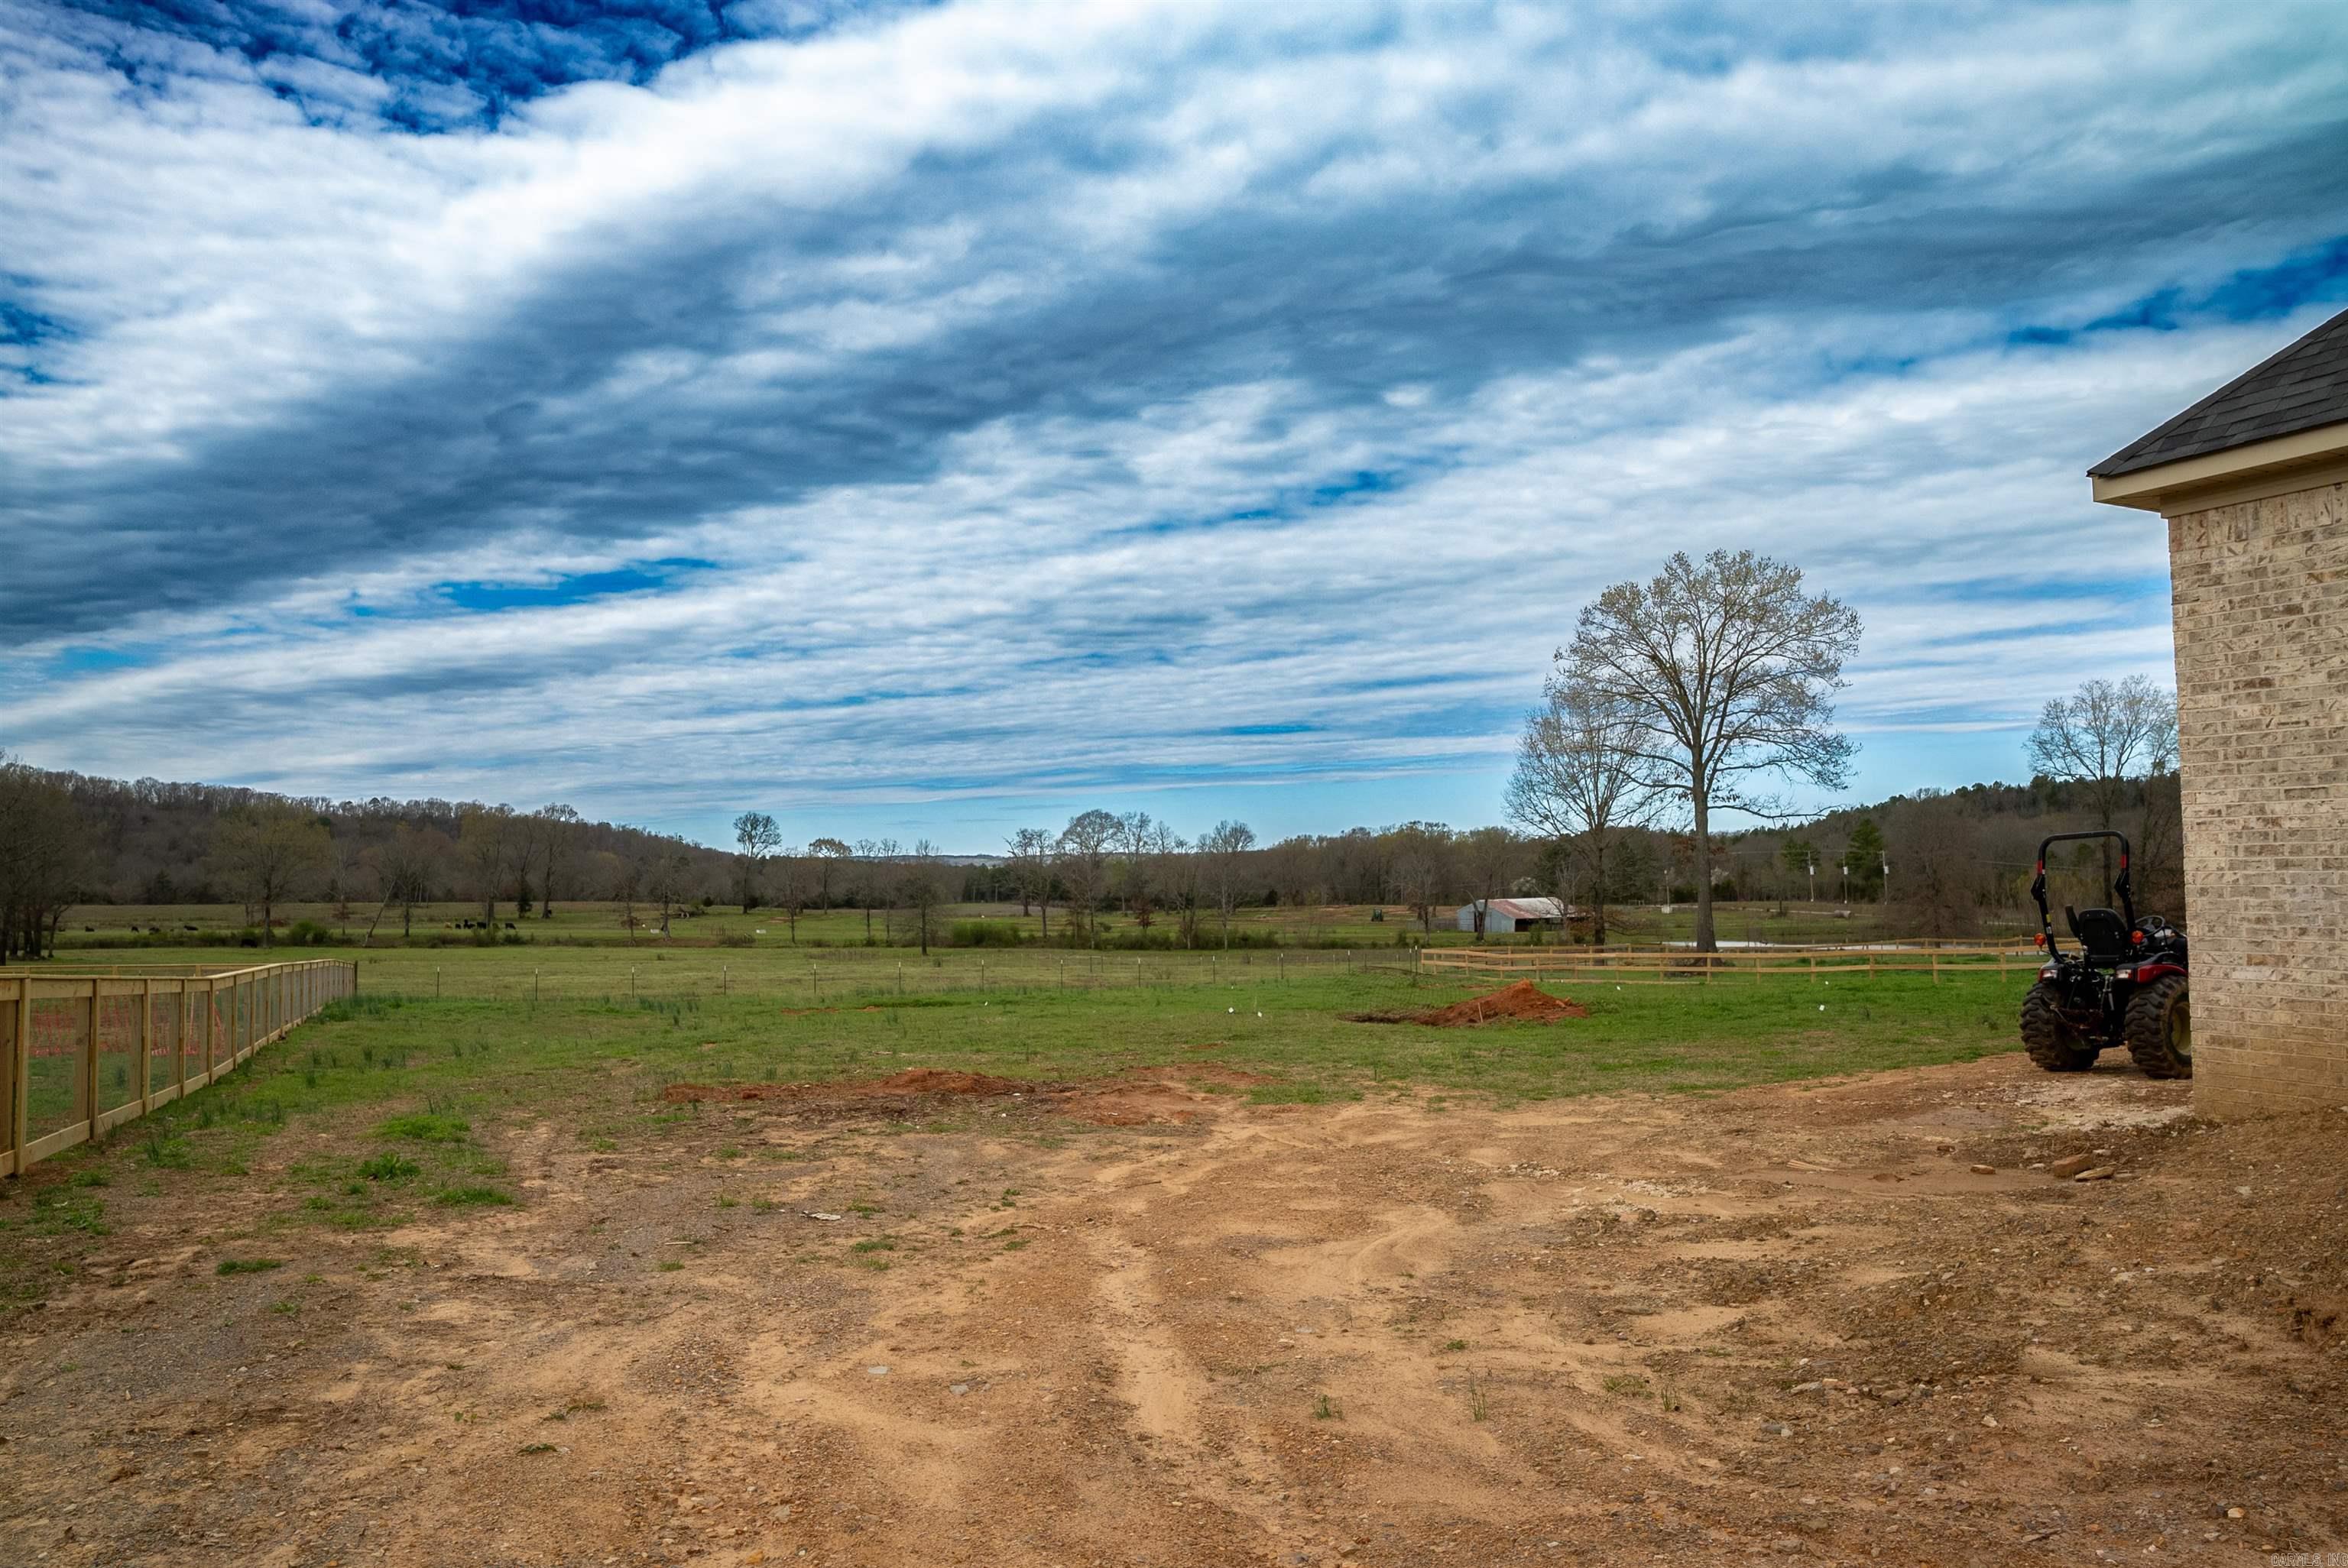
2253	480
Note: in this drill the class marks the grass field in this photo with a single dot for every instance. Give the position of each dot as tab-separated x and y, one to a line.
521	1034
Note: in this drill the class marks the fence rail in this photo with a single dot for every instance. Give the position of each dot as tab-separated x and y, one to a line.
1649	966
86	1052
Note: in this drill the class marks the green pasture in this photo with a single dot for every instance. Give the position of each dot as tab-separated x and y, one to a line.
603	924
395	1101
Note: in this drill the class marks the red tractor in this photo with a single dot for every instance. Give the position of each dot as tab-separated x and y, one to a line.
2124	986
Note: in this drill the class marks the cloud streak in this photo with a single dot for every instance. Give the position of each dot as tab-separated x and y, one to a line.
1087	401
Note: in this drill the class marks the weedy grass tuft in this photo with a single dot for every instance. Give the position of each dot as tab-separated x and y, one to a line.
470	1195
390	1167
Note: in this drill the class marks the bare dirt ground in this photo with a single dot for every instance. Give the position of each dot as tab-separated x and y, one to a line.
1142	1324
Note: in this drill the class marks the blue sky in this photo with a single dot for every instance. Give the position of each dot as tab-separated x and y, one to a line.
929	419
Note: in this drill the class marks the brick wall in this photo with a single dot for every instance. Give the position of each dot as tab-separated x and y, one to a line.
2262	602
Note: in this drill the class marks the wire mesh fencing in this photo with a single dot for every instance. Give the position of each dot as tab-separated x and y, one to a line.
81	1053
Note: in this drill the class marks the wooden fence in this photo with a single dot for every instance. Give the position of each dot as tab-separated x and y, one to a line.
1681	965
85	1052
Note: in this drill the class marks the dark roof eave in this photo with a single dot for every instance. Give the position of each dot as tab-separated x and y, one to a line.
2303	385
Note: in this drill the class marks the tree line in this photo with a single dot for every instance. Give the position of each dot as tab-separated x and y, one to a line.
1674	704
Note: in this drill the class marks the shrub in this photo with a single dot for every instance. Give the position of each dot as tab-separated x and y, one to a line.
389	1168
738	939
426	1127
983	934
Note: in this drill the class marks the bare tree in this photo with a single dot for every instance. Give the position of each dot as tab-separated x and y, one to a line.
557	841
1492	856
629	876
267	853
922	887
876	884
755	839
825	859
1420	867
1131	842
2160	844
1730	669
1226	850
797	874
42	851
1295	871
2104	737
1578	781
485	834
1031	868
669	878
405	863
1942	876
1172	878
1083	849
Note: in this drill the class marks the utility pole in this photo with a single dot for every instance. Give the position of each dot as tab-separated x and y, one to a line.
1887	880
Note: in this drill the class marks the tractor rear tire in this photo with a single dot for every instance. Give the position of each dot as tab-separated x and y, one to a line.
2051	1041
2160	1028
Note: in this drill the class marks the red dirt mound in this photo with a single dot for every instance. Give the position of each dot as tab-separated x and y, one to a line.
1522	1002
936	1080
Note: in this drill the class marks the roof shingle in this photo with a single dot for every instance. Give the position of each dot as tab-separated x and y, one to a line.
2301	388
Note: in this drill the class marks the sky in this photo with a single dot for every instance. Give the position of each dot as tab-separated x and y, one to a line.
926	420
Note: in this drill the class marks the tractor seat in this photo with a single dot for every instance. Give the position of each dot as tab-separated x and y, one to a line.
2101	932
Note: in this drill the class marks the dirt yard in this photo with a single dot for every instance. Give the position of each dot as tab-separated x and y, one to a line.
1138	1323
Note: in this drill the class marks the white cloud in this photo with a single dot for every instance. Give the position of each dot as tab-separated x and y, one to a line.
1154	395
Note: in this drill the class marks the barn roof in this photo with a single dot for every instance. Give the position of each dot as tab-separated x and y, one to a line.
1524	908
2301	388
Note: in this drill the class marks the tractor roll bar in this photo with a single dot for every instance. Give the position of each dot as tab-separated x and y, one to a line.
2119	884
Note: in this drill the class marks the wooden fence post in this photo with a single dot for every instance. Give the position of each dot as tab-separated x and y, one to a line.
146	1043
89	1061
20	1073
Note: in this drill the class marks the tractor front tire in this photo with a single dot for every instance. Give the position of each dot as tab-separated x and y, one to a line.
2051	1041
2160	1028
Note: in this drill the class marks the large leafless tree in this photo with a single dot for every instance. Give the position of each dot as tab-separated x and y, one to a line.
1578	780
41	850
755	839
1421	867
1031	869
1225	850
922	888
486	837
1491	857
825	859
2102	738
1730	669
268	854
558	841
1083	853
406	865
